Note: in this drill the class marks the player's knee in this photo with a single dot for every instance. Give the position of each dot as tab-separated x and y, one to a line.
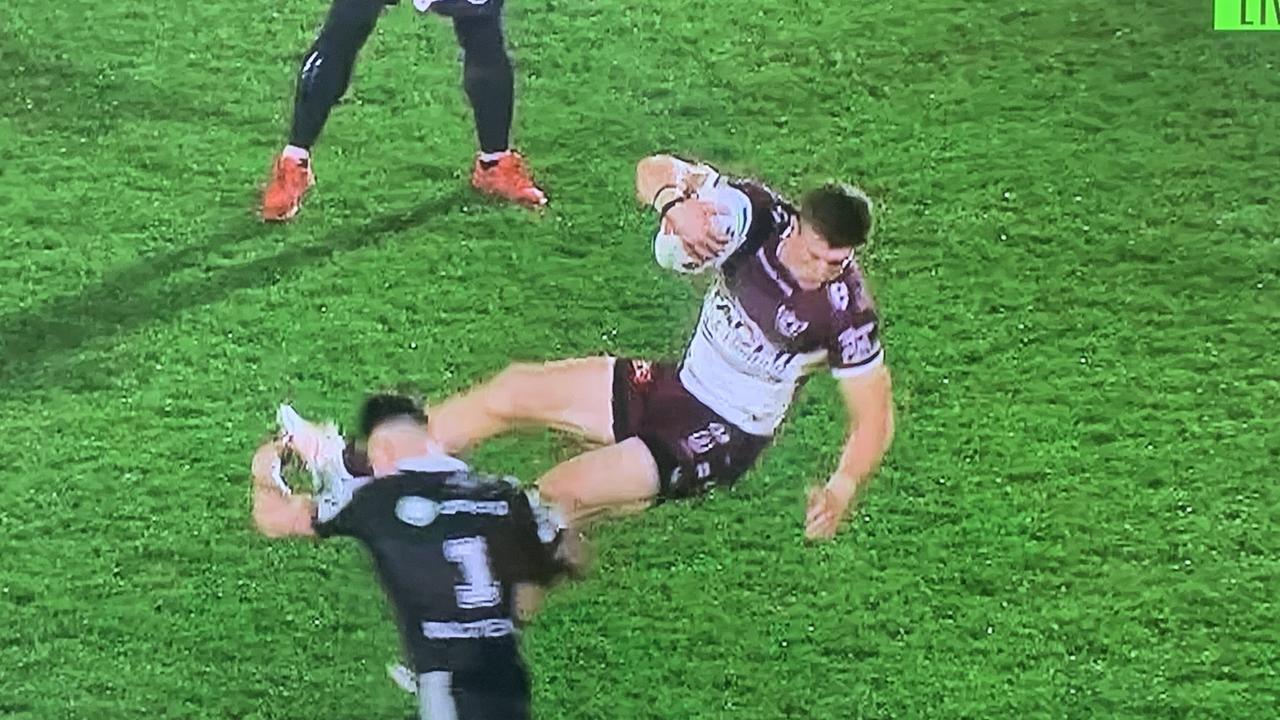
481	40
485	64
349	24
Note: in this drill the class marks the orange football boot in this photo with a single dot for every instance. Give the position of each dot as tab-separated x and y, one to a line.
508	178
290	179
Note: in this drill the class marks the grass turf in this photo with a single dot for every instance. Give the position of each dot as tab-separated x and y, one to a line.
1077	261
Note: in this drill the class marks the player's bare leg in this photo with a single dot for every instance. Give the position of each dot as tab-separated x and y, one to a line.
610	481
613	480
575	396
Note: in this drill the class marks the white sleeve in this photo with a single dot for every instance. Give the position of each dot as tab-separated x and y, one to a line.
337	496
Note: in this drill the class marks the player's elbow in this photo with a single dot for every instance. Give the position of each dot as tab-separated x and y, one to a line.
652	173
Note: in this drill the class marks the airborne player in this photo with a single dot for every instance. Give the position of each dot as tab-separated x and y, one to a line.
788	298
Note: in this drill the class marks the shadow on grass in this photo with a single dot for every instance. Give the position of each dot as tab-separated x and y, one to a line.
143	292
43	91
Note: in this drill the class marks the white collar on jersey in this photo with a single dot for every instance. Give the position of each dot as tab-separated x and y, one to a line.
435	462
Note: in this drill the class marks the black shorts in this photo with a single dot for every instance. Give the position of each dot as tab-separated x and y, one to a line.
695	448
461	8
495	691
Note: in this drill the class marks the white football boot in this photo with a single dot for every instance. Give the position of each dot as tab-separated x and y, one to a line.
318	445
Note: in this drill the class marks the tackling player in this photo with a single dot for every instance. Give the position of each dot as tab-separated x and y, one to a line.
487	78
449	546
788	298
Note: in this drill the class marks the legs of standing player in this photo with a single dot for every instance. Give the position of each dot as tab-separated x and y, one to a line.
489	82
322	81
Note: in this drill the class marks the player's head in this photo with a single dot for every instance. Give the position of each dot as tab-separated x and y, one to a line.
835	220
383	408
394	428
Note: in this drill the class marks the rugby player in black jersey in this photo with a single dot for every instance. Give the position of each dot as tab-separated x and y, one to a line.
450	546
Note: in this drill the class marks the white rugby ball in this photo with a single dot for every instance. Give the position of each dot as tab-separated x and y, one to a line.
670	253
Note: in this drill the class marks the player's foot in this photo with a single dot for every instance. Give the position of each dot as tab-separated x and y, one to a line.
291	177
507	178
403	677
319	446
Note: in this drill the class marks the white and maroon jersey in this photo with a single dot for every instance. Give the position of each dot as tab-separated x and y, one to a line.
760	334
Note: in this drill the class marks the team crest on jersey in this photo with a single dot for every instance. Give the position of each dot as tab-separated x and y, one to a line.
838	294
417	511
787	322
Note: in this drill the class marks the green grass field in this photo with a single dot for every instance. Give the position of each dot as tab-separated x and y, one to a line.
1078	262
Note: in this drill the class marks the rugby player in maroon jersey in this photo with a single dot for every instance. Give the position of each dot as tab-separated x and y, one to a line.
787	299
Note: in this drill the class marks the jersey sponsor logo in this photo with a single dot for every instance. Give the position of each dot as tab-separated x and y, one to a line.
735	336
838	294
857	345
474	507
726	324
787	322
496	627
417	511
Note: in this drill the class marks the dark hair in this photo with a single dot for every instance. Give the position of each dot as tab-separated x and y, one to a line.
383	407
840	214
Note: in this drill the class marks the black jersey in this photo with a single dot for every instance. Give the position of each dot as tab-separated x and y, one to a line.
448	544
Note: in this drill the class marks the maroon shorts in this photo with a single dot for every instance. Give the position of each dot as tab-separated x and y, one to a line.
694	447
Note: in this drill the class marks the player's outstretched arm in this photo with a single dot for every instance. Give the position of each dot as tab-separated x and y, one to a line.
276	514
869	401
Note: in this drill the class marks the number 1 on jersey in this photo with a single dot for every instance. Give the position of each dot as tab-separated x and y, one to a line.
478	587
